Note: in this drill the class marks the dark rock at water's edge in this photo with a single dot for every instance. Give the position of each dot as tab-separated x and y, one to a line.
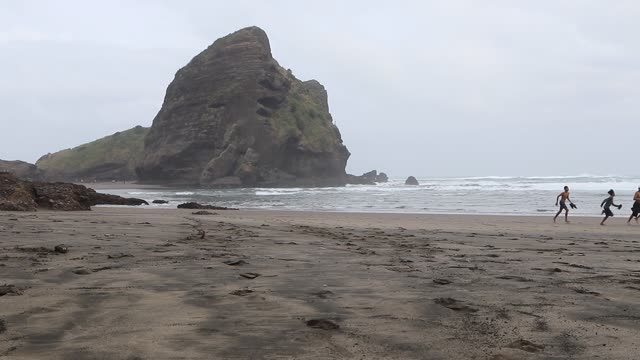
194	205
108	199
411	181
234	117
22	195
22	170
370	178
62	196
159	202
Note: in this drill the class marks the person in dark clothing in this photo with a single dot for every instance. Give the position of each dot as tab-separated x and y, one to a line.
607	206
635	209
562	198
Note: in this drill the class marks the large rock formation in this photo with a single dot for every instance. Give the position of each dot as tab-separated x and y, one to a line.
234	117
113	157
21	169
22	195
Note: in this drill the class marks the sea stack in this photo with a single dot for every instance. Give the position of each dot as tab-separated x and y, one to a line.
411	180
234	117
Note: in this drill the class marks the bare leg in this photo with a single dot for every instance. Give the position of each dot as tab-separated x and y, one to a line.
566	216
605	219
631	217
557	214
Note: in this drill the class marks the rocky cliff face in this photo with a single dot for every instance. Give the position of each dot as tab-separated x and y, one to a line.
112	157
234	117
21	169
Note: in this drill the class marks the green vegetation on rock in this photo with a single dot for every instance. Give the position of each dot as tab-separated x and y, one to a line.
113	157
304	117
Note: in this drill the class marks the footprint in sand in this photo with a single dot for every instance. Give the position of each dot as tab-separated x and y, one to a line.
454	304
323	324
81	271
442	281
241	292
323	294
250	275
525	345
235	262
9	290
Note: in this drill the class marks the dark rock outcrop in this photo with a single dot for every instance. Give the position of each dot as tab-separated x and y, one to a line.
382	178
16	195
21	169
160	202
110	158
370	178
21	195
234	117
108	199
411	181
194	205
62	196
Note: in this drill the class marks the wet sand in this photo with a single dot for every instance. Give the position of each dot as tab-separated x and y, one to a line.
168	284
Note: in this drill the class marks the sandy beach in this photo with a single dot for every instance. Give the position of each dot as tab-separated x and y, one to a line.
169	284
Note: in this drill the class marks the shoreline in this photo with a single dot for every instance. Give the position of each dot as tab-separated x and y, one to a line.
152	283
249	209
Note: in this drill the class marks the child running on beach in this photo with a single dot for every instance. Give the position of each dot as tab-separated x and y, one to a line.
607	205
563	197
635	209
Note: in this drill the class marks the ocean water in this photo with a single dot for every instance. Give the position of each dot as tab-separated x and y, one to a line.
464	195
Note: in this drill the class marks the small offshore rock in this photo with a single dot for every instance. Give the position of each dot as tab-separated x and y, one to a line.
61	249
411	180
382	178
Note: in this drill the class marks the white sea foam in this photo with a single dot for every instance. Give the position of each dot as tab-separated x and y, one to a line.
462	195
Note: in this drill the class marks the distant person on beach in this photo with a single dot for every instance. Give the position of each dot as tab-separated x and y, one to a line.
635	209
607	206
562	198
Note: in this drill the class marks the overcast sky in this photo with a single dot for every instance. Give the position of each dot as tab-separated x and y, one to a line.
430	88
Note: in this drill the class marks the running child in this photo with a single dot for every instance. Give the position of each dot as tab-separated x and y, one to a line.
607	206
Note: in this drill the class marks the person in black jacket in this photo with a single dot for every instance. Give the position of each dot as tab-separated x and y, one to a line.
606	203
